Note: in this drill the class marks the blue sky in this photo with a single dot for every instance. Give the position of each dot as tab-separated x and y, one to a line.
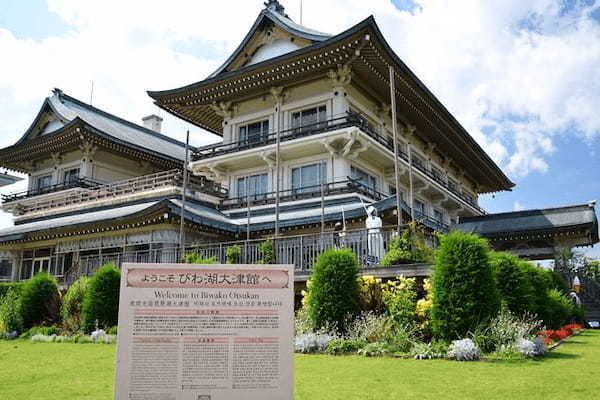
522	77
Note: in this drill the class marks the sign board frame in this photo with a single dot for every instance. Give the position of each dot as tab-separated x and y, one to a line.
205	332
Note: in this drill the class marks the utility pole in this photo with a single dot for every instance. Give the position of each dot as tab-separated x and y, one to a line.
395	135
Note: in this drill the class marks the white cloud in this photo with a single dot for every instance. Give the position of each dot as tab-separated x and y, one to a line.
514	89
517	206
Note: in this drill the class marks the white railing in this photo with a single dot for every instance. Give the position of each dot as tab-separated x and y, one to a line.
125	188
301	251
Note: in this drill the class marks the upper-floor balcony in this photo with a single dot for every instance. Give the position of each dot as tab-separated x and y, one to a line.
313	137
76	183
82	194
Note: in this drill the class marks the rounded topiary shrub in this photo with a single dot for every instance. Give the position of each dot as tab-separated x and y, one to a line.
539	282
101	300
464	290
334	290
514	286
233	254
40	301
71	311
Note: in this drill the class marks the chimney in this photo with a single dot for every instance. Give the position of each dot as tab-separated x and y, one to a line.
152	122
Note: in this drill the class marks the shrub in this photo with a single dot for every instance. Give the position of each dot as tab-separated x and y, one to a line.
6	286
371	294
196	258
423	308
531	348
233	254
41	330
10	312
312	342
514	286
334	288
409	247
266	248
402	340
400	299
557	310
302	322
101	300
113	330
504	331
464	290
40	301
429	351
71	310
340	346
373	349
369	327
539	281
464	350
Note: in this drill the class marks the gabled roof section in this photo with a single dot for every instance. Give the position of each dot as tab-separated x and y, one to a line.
60	109
272	34
557	219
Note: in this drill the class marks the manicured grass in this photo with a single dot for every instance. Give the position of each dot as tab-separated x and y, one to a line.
84	371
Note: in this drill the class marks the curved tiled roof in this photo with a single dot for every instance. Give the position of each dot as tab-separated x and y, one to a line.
68	109
529	221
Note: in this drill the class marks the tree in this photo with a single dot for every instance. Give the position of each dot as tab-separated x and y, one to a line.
101	300
334	291
464	289
40	301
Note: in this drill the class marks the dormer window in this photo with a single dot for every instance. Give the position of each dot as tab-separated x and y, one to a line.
253	133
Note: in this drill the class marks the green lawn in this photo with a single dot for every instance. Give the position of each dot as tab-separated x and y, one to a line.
83	371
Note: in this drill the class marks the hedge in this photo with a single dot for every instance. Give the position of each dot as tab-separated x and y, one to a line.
4	287
334	290
101	300
514	285
464	289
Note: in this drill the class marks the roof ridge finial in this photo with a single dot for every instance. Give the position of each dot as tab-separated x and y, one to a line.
276	6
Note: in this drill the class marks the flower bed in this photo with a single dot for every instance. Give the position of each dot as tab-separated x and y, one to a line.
556	335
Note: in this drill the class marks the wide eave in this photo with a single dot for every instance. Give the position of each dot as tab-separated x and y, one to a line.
364	48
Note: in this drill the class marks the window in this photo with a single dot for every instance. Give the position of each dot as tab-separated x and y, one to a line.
309	119
393	192
6	266
364	178
418	161
438	216
254	133
254	186
36	261
419	209
71	176
306	178
437	174
44	182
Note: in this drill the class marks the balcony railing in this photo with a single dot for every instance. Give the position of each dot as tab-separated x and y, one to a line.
71	184
343	121
349	185
160	180
301	250
350	119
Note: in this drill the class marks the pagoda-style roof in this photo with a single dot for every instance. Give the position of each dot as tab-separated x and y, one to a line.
272	16
568	220
364	50
64	122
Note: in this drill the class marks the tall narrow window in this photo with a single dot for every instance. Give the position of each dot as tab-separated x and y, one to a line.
254	133
309	119
44	182
254	186
419	209
368	181
71	176
308	178
438	216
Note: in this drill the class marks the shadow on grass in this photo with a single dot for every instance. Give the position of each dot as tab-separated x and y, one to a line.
559	356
